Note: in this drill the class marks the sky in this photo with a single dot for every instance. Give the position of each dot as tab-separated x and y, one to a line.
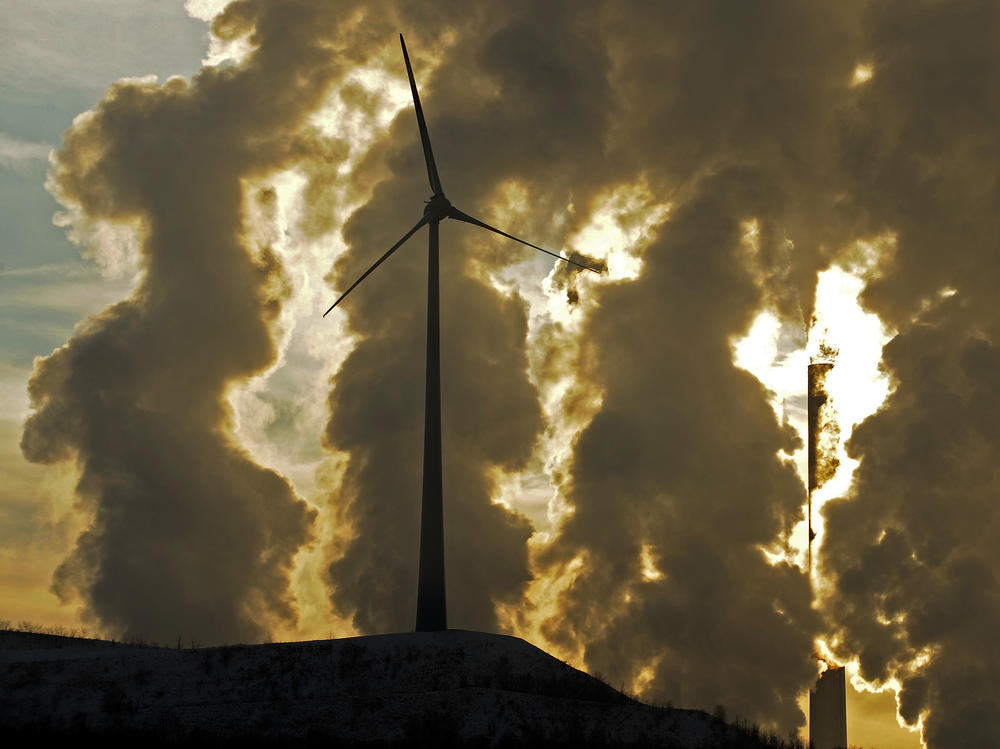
191	451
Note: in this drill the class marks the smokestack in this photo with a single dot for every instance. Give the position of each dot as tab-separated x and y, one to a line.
828	699
816	399
828	711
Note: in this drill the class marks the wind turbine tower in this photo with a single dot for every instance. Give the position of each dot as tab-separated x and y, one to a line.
431	606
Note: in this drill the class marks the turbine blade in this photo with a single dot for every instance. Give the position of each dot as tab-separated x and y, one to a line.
460	216
378	262
432	173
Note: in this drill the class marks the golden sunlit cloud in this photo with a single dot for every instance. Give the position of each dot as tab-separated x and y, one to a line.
275	414
314	89
307	357
777	353
617	232
862	74
542	603
856	385
780	371
851	338
644	678
647	563
619	229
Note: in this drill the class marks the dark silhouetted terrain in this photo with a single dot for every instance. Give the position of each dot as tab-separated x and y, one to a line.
418	689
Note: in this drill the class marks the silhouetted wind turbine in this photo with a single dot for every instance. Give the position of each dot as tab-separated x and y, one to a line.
431	609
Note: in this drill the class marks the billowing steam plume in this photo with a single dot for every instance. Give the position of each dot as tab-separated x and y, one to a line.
188	536
491	417
912	556
730	112
677	488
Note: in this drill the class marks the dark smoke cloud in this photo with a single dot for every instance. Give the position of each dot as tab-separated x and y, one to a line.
189	537
912	555
704	86
731	111
681	459
728	110
510	68
490	418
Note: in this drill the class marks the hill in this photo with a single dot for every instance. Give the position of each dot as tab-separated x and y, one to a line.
417	689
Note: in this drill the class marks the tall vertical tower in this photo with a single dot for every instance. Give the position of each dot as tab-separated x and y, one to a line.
431	606
819	464
828	711
828	699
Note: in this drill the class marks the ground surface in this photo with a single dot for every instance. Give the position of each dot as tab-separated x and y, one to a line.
434	689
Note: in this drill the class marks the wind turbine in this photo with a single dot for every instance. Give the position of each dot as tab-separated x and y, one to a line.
431	609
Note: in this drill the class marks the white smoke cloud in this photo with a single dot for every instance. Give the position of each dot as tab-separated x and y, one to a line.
21	155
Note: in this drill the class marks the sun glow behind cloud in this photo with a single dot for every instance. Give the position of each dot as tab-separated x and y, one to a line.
623	223
844	333
778	352
279	415
851	338
616	233
862	74
854	399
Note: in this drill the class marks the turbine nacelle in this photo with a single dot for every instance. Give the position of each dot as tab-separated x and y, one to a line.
437	208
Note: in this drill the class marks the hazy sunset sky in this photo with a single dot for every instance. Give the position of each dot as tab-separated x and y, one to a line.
188	449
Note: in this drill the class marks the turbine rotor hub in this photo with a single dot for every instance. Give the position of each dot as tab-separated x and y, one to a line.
438	207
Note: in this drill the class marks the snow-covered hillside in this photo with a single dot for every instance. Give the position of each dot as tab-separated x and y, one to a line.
438	689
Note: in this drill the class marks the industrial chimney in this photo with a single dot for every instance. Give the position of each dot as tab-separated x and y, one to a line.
828	711
817	464
828	699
